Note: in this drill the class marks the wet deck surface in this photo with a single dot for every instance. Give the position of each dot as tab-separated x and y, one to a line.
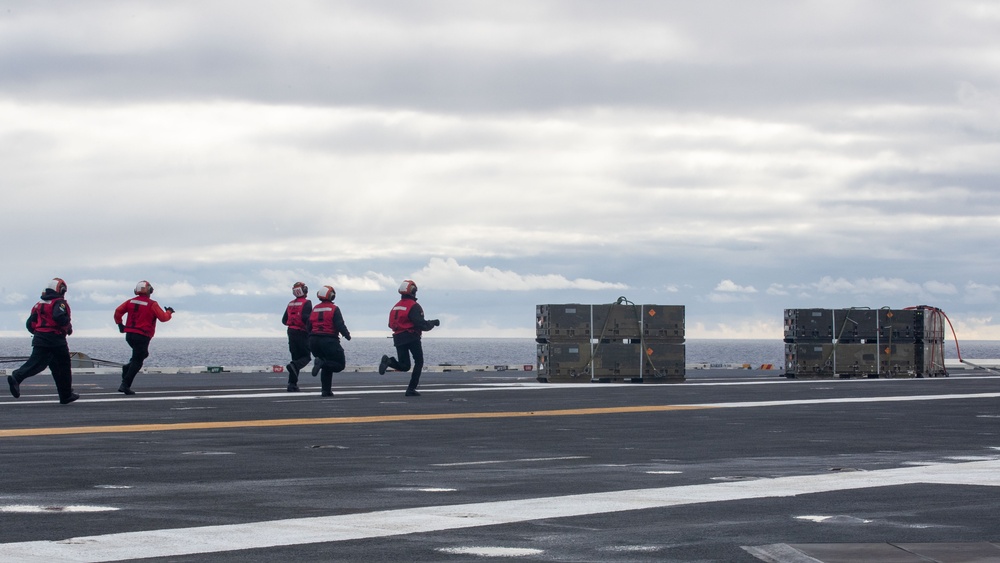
734	466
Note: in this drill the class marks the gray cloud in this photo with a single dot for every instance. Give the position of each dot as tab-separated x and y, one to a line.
445	56
508	154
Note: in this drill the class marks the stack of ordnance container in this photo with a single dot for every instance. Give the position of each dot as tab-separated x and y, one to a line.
619	341
862	342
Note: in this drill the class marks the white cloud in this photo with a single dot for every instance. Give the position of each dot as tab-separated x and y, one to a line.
839	285
728	291
981	294
728	286
194	324
974	328
176	290
940	288
449	274
100	291
727	297
769	328
777	289
370	281
872	286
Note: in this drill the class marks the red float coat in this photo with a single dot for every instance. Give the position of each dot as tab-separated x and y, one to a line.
327	320
142	313
297	315
46	315
399	316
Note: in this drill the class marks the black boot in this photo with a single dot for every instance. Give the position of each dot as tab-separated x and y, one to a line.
126	386
15	386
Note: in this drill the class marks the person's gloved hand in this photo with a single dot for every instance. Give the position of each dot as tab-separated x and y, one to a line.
121	328
169	310
436	322
347	337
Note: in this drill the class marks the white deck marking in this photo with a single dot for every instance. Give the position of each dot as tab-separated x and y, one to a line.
195	395
495	461
492	551
35	509
387	523
889	399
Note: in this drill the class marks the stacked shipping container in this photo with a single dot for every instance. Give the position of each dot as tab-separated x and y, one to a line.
864	342
617	341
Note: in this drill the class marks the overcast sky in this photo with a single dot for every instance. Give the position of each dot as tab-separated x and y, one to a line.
737	158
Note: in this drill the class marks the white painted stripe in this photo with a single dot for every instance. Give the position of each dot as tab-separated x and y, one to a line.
892	399
492	551
250	393
35	509
342	393
347	527
496	461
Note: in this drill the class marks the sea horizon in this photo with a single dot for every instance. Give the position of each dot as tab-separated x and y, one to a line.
177	351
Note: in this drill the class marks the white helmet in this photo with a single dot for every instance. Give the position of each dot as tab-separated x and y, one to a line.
58	285
408	287
326	293
300	289
143	288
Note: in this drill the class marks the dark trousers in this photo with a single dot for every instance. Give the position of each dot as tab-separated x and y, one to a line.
403	352
140	351
298	347
56	358
329	356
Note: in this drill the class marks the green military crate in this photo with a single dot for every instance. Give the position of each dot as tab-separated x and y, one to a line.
563	361
612	320
572	321
808	325
656	361
827	360
643	321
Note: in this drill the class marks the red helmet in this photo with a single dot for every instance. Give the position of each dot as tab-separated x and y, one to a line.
326	293
143	288
300	289
408	287
58	285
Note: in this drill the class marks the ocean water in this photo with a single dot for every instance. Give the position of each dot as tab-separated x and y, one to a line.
185	352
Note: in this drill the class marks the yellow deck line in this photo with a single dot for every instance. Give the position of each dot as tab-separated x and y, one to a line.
119	429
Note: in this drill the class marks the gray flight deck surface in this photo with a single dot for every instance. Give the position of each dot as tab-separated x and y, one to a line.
731	466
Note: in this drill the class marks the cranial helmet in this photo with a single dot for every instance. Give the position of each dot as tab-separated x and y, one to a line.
58	285
143	288
326	293
300	289
408	287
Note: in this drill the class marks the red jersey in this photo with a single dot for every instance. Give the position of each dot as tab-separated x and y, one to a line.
142	313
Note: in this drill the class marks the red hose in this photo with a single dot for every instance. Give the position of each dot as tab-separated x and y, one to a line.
937	311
